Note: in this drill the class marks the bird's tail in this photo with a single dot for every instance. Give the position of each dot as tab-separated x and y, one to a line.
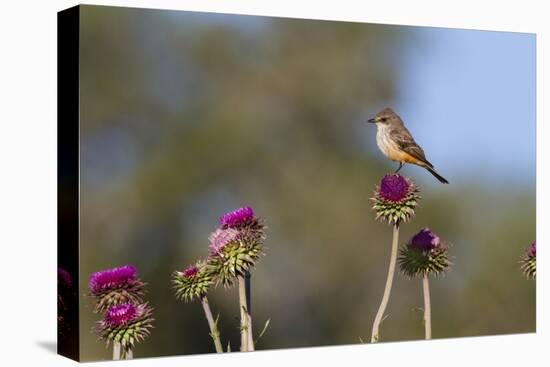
437	175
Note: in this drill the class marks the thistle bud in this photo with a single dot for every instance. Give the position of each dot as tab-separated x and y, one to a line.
529	261
424	254
193	282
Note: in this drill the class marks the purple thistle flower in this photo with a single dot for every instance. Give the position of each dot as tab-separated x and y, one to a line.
236	245
395	199
126	324
111	278
64	278
425	240
120	315
237	218
220	238
394	187
424	254
533	249
190	271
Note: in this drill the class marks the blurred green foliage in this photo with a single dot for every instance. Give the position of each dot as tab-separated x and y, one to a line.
185	116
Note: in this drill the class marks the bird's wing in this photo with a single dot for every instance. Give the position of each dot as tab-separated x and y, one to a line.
406	142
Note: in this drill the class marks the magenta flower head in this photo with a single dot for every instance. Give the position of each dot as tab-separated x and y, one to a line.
127	324
115	286
395	199
237	218
220	238
529	261
112	278
250	227
120	315
424	254
193	282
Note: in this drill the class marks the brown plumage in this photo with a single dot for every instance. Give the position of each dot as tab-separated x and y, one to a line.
397	143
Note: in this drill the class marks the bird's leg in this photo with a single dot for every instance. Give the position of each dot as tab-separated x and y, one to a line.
400	165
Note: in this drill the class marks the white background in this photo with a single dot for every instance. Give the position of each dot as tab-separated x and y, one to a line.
28	190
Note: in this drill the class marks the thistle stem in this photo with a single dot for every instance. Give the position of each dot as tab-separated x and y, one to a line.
427	307
214	333
387	290
249	311
244	314
116	351
129	354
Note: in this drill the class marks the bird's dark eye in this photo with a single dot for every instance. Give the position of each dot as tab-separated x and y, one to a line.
384	119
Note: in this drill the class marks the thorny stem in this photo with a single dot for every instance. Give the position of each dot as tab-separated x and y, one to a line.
427	307
214	333
387	290
249	312
129	354
116	351
244	314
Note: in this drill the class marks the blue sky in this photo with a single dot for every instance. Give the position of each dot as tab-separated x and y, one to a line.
468	97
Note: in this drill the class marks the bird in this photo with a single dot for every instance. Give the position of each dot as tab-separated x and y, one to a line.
397	143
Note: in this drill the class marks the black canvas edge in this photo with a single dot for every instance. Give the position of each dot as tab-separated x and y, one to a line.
68	42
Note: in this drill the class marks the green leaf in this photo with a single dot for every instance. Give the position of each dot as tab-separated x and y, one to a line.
266	325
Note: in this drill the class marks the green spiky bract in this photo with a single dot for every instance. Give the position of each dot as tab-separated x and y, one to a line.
129	292
190	287
235	259
395	212
529	265
416	262
132	332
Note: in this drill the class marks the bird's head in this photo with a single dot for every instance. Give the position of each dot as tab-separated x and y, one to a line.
385	117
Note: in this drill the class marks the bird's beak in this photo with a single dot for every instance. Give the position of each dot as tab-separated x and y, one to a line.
372	120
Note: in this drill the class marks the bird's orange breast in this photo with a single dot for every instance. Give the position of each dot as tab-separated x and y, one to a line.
391	149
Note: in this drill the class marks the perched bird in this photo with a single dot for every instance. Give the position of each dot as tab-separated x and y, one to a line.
397	143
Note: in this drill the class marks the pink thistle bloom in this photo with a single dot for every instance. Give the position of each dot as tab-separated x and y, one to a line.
120	315
112	278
